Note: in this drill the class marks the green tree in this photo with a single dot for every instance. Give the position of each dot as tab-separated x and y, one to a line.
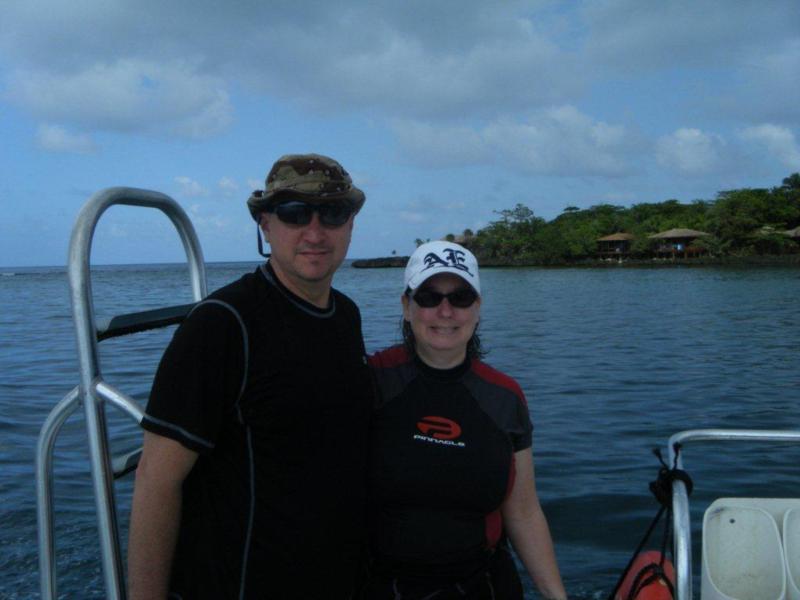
789	194
792	182
513	236
736	220
738	214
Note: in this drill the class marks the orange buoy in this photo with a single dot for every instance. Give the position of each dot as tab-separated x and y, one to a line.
648	579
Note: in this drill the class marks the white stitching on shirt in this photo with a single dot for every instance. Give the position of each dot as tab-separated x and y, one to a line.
180	430
245	338
251	517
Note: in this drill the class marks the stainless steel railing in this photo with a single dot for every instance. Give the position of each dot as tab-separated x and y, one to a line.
92	391
680	499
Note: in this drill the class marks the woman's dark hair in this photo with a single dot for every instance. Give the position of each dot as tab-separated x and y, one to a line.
474	349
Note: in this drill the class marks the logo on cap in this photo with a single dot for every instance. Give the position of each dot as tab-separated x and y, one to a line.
453	258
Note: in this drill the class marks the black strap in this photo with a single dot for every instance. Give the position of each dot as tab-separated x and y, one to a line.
636	552
260	243
650	573
661	488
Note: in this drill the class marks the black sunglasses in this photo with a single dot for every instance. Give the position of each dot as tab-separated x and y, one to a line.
463	298
298	212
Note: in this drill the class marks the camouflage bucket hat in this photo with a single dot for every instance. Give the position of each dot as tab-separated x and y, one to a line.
312	177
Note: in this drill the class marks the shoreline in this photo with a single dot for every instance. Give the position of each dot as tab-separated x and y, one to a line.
778	260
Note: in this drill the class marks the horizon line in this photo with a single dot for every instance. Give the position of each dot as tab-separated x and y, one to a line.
131	264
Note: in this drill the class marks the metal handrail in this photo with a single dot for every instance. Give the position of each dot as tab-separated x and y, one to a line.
141	321
44	488
680	499
92	391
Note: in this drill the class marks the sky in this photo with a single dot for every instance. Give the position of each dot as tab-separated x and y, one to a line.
443	112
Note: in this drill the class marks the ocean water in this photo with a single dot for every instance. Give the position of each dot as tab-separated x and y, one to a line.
613	361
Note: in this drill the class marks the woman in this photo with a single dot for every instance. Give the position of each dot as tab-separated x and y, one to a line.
452	471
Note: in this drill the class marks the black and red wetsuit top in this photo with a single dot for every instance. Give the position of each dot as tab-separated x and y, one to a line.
443	444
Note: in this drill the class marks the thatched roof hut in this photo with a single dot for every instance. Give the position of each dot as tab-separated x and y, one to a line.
678	242
617	237
793	233
614	244
674	234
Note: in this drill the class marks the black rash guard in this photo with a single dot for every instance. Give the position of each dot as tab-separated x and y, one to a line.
442	462
275	396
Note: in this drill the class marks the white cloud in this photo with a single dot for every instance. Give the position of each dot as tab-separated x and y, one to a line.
768	89
778	74
440	146
54	138
562	141
216	223
780	142
202	220
190	188
127	95
415	59
406	76
630	34
412	217
418	59
690	151
459	82
714	56
228	186
557	141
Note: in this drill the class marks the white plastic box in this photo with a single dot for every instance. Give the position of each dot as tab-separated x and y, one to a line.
743	556
791	549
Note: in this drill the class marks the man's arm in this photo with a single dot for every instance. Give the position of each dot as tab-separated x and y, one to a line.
156	515
527	529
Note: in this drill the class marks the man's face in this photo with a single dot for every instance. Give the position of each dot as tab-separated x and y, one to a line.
305	257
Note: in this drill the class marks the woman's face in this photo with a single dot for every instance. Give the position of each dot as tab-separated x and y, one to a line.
442	332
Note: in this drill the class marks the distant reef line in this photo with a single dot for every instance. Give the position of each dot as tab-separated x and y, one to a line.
380	263
744	261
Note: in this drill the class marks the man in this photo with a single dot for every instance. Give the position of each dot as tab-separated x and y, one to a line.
251	481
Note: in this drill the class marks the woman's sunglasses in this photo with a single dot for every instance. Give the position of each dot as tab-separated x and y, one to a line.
463	298
298	212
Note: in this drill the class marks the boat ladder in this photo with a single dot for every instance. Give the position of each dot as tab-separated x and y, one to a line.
93	391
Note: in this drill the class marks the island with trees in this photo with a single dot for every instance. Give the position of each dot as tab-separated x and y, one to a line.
738	225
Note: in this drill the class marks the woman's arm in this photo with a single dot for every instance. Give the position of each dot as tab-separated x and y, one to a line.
527	529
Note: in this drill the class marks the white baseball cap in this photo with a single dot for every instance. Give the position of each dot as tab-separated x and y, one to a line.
441	257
